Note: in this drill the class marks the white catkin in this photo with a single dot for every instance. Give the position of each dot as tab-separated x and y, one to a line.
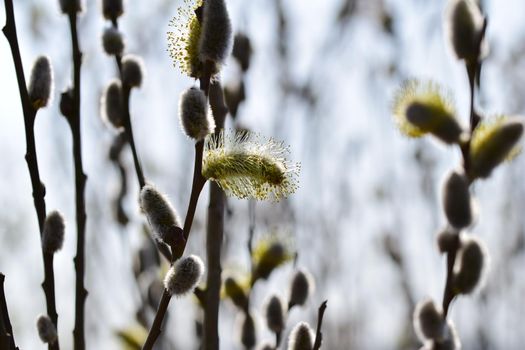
216	35
113	41
195	118
46	329
275	314
429	322
160	213
184	276
53	234
301	337
111	108
301	287
132	71
41	82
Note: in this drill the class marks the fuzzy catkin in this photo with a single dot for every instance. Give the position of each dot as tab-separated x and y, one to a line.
456	200
113	41
111	104
470	262
53	234
195	118
71	6
184	276
46	329
160	213
132	71
300	288
214	44
464	26
41	82
112	9
235	292
275	314
429	321
301	337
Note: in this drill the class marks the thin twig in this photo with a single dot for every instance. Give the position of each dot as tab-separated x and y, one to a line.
214	235
7	338
80	184
48	285
156	327
319	335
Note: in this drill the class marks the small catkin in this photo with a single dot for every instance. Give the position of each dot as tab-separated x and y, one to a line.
53	235
242	50
184	276
67	105
112	9
433	119
301	337
214	44
275	314
113	41
456	200
464	27
272	256
446	240
300	288
195	118
492	144
248	336
111	104
235	292
71	6
160	213
41	82
429	322
132	71
469	267
46	329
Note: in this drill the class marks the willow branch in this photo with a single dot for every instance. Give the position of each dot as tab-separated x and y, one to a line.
319	335
48	285
7	339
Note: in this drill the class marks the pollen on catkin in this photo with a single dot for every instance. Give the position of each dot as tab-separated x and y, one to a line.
457	203
71	6
429	322
464	25
195	118
53	234
160	213
247	165
112	9
421	107
216	35
41	82
111	108
275	314
113	41
183	43
492	142
301	337
184	276
267	255
46	329
470	265
132	71
301	288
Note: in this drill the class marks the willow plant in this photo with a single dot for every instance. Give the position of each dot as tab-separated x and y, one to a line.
422	108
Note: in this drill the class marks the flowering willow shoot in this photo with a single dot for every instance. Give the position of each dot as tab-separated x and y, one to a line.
247	165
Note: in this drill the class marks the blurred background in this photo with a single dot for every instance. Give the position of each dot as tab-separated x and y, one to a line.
321	77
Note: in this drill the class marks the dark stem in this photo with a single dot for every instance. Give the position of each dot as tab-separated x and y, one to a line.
48	285
7	338
214	235
319	334
80	183
156	327
278	337
126	91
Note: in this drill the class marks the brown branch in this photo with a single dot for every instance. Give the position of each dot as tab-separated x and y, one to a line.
214	236
156	327
7	338
39	191
319	334
80	184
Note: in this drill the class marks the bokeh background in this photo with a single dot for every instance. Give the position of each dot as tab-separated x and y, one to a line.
321	78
